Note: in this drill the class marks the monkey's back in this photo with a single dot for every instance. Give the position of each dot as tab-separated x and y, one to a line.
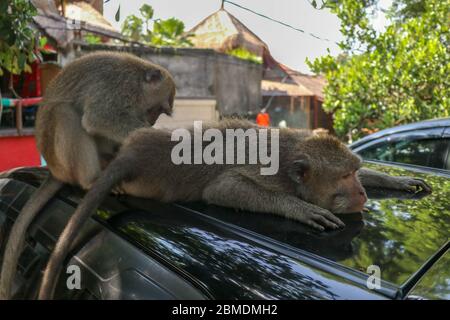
95	80
147	153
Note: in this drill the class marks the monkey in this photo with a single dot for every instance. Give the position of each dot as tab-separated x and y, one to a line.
89	108
317	175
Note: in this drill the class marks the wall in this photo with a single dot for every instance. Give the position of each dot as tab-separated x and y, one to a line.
186	111
235	84
295	111
18	152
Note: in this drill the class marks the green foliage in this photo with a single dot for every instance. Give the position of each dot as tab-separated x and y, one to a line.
17	39
132	28
355	21
146	11
168	32
92	38
402	75
402	10
244	54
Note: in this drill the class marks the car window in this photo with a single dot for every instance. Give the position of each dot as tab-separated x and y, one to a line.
421	152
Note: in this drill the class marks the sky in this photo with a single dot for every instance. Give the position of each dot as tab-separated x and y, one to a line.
286	45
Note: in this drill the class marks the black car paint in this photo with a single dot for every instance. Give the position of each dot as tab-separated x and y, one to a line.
438	276
214	252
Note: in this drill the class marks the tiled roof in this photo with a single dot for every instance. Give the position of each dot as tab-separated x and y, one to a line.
313	83
222	31
275	88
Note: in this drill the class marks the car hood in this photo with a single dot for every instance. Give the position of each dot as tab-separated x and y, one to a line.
401	233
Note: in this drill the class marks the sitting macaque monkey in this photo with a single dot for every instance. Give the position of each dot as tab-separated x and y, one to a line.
317	175
88	110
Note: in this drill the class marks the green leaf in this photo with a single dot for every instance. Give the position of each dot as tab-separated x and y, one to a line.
42	41
169	32
147	11
22	58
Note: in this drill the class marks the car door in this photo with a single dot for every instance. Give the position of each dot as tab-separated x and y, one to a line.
446	135
426	148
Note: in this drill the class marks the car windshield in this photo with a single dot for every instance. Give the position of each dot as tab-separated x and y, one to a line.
422	152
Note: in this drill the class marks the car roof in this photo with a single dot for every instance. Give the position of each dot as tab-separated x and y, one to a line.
422	125
227	249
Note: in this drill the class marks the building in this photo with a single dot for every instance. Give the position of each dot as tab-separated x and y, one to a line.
296	98
287	94
209	84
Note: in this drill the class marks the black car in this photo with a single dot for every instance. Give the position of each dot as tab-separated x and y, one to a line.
142	249
425	144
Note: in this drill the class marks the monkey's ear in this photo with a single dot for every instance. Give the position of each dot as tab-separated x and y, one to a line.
153	76
300	169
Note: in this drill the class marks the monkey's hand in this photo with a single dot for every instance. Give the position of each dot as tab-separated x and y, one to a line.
317	217
371	178
411	184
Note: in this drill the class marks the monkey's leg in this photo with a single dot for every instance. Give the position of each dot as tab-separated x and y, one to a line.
80	159
236	191
16	239
372	178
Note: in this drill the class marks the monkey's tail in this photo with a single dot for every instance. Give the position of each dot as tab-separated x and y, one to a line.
13	249
116	172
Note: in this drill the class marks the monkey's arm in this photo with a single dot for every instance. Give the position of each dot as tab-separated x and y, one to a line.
235	191
375	179
111	126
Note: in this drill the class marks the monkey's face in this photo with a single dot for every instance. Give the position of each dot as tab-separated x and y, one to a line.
158	94
339	192
345	193
326	175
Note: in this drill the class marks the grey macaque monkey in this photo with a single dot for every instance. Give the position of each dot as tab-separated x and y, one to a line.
88	110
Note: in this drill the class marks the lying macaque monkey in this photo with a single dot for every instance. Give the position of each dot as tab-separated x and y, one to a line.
315	176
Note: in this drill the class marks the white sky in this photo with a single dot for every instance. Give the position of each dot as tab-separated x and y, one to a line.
286	45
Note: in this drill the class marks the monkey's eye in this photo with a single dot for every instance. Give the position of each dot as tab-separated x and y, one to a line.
153	76
348	175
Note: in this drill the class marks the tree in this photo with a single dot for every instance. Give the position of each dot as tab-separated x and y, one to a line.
397	76
168	32
17	39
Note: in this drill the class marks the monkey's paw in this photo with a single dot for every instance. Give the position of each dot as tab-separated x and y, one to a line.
412	185
320	218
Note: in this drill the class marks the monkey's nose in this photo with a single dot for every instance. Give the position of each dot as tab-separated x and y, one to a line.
363	196
167	107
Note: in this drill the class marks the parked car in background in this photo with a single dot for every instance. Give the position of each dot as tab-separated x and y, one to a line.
143	249
424	144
